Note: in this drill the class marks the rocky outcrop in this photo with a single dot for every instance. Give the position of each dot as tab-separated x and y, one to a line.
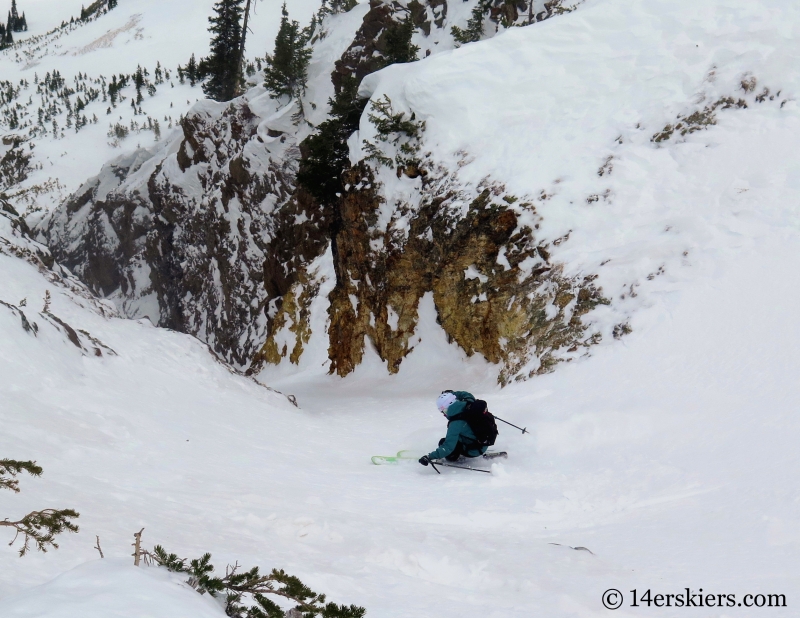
179	235
495	289
213	235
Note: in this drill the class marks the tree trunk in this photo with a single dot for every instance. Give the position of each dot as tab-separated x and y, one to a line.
240	80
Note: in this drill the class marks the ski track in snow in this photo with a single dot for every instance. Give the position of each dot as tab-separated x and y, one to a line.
670	454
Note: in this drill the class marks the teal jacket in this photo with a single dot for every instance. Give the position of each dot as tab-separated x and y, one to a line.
459	431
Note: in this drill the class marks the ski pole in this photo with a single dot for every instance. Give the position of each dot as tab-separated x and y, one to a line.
523	430
439	463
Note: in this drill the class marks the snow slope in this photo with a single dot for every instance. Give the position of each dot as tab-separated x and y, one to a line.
670	454
131	35
112	589
671	457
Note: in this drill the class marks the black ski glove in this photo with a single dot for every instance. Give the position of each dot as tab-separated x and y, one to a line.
424	460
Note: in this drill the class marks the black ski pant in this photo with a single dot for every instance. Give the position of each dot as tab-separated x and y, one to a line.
459	451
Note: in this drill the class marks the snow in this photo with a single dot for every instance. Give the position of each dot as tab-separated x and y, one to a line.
111	589
118	42
473	273
670	454
545	109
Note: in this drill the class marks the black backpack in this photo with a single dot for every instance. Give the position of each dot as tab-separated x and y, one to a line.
480	421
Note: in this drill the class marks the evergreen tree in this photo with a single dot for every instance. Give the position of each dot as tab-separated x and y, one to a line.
191	71
139	81
13	17
113	88
223	63
8	40
474	30
342	6
15	22
399	48
326	155
112	4
335	7
287	69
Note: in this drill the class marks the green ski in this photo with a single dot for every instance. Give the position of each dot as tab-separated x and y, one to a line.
381	460
401	456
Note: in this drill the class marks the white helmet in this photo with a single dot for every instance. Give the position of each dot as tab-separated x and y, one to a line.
445	400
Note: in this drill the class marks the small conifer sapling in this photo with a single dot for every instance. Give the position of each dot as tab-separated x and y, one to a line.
399	48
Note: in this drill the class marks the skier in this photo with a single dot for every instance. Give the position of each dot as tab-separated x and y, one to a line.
460	439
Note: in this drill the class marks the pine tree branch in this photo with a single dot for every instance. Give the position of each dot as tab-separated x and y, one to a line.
41	528
237	584
11	467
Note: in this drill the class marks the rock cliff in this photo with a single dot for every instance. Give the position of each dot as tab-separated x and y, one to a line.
215	234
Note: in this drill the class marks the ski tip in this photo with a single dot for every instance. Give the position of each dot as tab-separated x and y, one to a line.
409	454
380	460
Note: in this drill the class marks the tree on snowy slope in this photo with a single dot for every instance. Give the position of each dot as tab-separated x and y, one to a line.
336	7
17	23
399	48
474	29
112	4
287	68
326	154
506	14
223	62
246	591
8	39
39	527
342	6
191	71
